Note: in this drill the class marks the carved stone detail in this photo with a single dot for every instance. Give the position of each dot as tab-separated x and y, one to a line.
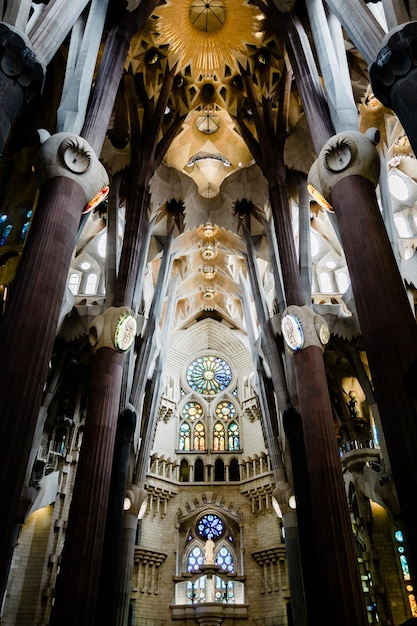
70	156
102	331
18	61
349	153
312	324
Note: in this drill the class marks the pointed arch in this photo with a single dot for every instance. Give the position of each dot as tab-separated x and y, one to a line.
219	470
234	470
199	471
219	437
199	437
184	443
233	438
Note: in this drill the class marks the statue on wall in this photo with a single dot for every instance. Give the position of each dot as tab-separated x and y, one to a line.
209	551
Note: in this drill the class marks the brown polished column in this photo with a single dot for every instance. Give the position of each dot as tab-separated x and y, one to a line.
27	335
86	524
389	332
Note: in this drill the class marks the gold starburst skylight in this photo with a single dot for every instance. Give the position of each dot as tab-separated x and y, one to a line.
210	32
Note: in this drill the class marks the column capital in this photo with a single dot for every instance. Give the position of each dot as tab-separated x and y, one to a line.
301	327
18	61
349	153
395	59
115	328
69	156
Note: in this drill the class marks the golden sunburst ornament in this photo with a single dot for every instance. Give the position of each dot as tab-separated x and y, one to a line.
210	31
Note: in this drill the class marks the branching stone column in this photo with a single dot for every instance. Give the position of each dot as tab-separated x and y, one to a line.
346	174
21	77
69	176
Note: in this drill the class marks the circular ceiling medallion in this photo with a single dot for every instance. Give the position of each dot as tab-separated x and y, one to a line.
211	32
209	16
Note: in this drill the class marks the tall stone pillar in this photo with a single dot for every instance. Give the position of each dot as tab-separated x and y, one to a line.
305	334
346	174
289	519
111	335
21	77
113	534
69	176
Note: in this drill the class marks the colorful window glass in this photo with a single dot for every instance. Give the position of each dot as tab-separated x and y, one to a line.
199	437
209	375
6	233
196	591
224	591
224	558
210	525
233	436
192	411
219	437
225	410
195	559
185	437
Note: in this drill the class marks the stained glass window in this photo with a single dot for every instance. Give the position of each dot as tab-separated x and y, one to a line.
195	559
209	375
192	410
199	437
185	437
233	436
224	591
219	437
225	410
210	524
196	591
224	558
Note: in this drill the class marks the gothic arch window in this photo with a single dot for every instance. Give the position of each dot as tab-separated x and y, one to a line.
218	470
199	437
185	437
233	437
224	559
234	473
219	437
195	558
199	471
184	471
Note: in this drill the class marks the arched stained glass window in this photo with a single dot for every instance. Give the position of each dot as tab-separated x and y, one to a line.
195	559
224	558
209	375
219	437
225	410
185	437
199	437
233	436
192	410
